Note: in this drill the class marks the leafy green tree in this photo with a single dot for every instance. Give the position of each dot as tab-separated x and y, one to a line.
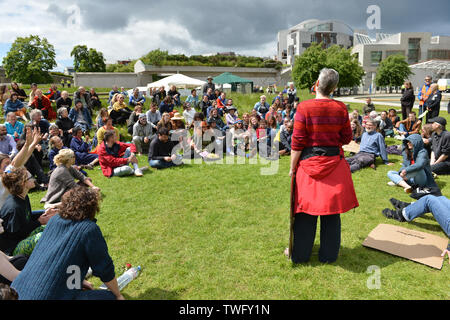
29	60
306	69
393	71
155	57
87	60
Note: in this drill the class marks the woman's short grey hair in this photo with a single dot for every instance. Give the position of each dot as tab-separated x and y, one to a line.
35	112
60	111
328	81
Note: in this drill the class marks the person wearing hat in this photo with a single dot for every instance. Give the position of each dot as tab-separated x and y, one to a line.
440	147
231	116
209	85
142	134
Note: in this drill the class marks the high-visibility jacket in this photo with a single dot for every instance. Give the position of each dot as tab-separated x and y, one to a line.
424	94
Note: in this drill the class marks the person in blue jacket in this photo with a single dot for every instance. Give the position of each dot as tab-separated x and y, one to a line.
416	170
136	98
80	116
81	149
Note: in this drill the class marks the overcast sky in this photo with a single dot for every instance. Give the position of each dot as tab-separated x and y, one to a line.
129	29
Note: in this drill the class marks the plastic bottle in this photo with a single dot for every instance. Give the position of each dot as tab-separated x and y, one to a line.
126	278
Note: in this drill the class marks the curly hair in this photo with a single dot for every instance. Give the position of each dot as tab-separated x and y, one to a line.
80	203
63	157
14	180
7	293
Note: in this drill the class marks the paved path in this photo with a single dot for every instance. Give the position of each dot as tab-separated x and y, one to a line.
357	99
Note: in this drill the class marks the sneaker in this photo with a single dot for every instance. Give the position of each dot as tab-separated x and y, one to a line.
144	168
391	183
138	173
398	205
394	214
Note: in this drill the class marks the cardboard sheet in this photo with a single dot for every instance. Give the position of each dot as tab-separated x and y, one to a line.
351	147
414	245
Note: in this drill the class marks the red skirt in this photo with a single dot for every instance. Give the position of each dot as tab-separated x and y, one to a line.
323	186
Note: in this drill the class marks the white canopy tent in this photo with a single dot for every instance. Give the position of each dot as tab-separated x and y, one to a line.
180	81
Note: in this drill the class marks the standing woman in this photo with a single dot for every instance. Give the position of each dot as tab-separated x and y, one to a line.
407	100
321	180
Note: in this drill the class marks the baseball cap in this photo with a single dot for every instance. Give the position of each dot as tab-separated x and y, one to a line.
439	120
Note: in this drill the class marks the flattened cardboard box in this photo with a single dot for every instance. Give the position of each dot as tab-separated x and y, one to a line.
414	245
351	147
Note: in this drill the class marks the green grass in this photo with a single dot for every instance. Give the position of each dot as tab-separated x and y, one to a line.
215	231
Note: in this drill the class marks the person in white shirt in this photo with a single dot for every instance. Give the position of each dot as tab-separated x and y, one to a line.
188	113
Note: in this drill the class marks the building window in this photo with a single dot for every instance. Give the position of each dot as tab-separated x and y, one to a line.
375	58
413	50
306	45
439	54
284	54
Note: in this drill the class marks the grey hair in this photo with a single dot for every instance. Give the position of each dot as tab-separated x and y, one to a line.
328	81
60	111
35	112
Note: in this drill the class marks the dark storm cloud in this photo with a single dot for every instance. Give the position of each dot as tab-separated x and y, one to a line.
240	25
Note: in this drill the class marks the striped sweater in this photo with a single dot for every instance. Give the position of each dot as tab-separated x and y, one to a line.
321	123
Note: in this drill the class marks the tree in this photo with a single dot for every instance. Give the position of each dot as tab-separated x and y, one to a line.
87	60
306	69
392	72
29	60
155	57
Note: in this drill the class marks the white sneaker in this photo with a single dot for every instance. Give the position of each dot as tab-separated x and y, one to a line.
138	173
392	184
144	169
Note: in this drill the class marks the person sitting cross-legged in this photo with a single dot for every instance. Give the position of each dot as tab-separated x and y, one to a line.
115	156
407	212
142	134
80	117
286	139
440	146
161	155
372	146
416	170
409	126
82	150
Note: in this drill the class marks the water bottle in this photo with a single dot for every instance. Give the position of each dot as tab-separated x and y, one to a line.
125	278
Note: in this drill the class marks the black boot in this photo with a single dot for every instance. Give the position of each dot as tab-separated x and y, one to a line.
394	214
399	205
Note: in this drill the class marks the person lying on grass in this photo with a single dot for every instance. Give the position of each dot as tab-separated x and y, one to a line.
63	178
407	212
115	157
73	242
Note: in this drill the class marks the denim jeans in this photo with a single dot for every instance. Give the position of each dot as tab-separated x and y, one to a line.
161	164
414	178
403	129
438	206
125	170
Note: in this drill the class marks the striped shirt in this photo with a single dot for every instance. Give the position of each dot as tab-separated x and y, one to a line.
321	123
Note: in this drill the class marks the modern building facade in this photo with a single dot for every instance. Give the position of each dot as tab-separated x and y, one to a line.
417	47
294	41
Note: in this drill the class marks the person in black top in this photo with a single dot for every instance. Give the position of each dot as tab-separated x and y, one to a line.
204	105
64	101
433	103
21	95
161	151
209	85
66	125
159	95
407	100
440	146
175	95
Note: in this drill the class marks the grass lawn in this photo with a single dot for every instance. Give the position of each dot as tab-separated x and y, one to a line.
214	231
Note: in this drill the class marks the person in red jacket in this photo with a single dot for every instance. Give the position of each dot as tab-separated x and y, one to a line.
43	103
322	184
115	156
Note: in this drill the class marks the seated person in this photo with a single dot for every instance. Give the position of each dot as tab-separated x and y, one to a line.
239	139
409	126
393	116
231	116
63	178
136	98
13	127
372	146
54	131
222	101
120	112
55	145
134	117
386	125
64	101
53	93
43	104
416	171
175	95
35	169
9	267
357	130
23	228
160	155
192	99
142	134
159	95
166	105
85	99
354	115
204	105
13	104
7	142
95	102
165	122
440	146
286	139
72	238
82	150
438	206
188	113
114	91
215	117
102	116
426	132
153	116
115	156
368	107
262	107
107	127
65	125
81	117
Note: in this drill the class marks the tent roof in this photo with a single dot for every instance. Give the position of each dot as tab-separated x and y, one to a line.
179	80
227	77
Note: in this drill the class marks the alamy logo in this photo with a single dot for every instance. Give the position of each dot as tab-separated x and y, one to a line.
374	280
374	20
74	280
74	19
